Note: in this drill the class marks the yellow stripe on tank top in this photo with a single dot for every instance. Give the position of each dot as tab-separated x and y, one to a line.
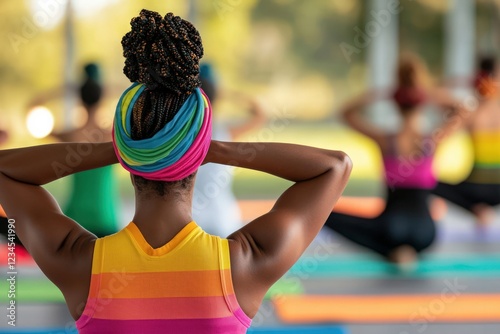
125	248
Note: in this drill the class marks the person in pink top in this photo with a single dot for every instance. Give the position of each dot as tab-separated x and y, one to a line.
405	227
162	273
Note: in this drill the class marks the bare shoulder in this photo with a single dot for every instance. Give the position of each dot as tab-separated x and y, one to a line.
247	286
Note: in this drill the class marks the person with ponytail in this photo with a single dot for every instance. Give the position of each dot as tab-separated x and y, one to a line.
162	273
92	201
480	191
405	227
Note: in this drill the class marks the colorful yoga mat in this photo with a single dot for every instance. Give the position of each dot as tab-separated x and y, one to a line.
366	266
281	330
448	306
331	329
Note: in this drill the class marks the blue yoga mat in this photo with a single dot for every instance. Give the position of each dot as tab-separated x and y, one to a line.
331	329
39	331
367	266
278	330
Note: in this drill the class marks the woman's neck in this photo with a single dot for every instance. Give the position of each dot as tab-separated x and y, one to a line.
160	218
92	116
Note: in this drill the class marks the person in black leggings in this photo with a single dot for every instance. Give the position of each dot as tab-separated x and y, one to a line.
406	220
405	227
480	191
472	196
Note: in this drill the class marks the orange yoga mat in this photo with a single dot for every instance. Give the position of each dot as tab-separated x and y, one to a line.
447	307
367	207
359	206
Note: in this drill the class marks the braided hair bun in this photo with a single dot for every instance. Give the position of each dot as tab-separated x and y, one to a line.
163	53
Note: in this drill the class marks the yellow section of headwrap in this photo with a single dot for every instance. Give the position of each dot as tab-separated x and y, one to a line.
127	99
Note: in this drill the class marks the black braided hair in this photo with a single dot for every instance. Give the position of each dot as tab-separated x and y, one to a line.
162	53
487	65
91	89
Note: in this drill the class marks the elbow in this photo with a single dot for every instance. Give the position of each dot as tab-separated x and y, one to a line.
342	165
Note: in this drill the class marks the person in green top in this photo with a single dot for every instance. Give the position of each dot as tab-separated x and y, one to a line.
94	199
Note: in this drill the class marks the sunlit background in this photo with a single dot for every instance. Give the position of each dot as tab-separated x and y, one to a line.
290	54
302	60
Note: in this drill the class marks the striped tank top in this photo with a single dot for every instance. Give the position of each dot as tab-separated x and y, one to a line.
183	287
486	157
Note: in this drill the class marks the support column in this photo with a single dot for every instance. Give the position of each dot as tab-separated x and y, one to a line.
460	47
383	26
69	66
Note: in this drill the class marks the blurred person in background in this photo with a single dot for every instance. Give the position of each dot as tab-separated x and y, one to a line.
480	191
405	227
94	195
215	207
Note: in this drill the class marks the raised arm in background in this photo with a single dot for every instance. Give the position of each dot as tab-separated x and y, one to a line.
351	112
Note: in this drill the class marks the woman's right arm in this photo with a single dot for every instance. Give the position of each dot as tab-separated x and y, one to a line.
266	248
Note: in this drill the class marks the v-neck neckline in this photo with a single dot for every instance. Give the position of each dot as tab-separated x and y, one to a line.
165	249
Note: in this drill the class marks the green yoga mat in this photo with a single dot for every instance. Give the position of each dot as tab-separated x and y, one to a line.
365	266
35	290
285	286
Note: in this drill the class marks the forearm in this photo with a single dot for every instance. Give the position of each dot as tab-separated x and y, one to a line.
292	162
39	165
257	120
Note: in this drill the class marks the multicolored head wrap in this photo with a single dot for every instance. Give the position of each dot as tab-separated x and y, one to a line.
174	152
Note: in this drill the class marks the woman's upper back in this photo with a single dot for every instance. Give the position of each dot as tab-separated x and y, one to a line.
185	286
408	160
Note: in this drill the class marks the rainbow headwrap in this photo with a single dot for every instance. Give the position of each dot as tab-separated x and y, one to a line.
174	152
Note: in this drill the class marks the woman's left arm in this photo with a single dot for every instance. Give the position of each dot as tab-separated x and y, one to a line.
60	246
39	165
